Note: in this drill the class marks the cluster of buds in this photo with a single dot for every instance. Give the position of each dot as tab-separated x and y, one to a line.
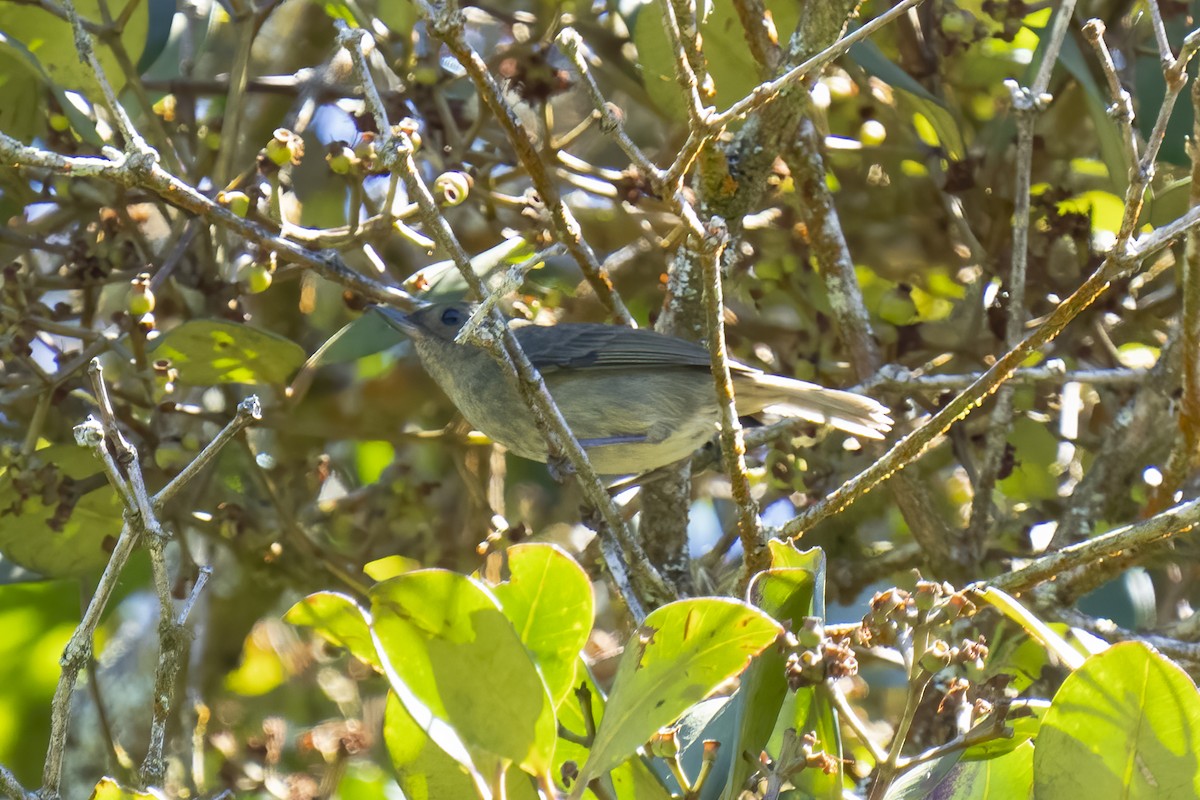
796	754
894	611
941	654
818	657
362	158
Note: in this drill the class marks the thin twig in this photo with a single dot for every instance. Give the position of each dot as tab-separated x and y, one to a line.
1027	102
447	23
766	92
125	171
11	788
1170	523
754	544
248	411
915	444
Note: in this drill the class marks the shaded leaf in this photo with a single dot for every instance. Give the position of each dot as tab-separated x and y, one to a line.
1008	777
1125	724
67	536
789	594
920	100
443	281
215	351
733	69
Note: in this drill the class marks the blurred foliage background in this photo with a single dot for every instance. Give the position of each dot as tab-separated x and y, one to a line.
359	459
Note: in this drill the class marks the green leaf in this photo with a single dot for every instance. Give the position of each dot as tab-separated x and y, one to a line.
1108	132
809	710
108	789
1024	728
423	770
37	48
340	621
1007	777
1125	724
549	601
733	69
381	569
944	124
365	336
443	281
677	657
1167	203
632	780
207	351
789	594
67	536
449	653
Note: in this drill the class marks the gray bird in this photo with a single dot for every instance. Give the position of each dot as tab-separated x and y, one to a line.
635	399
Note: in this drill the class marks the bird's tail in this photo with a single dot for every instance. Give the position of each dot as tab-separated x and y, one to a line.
846	411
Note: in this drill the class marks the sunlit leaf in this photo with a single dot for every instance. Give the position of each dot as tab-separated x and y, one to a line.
424	770
109	789
340	621
677	656
448	652
1125	724
549	601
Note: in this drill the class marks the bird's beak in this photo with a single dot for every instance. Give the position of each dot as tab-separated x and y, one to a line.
396	318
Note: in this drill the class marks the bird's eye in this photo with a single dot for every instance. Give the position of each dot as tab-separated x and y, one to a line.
452	317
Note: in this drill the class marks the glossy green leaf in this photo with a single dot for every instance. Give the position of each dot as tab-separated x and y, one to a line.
423	770
71	535
676	658
449	652
1125	724
1009	777
549	601
209	351
340	621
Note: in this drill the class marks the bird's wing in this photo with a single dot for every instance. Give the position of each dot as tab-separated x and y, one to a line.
597	346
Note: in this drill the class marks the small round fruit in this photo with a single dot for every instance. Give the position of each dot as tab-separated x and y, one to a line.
141	301
872	133
256	277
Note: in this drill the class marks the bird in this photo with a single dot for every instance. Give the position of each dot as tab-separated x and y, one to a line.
636	399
